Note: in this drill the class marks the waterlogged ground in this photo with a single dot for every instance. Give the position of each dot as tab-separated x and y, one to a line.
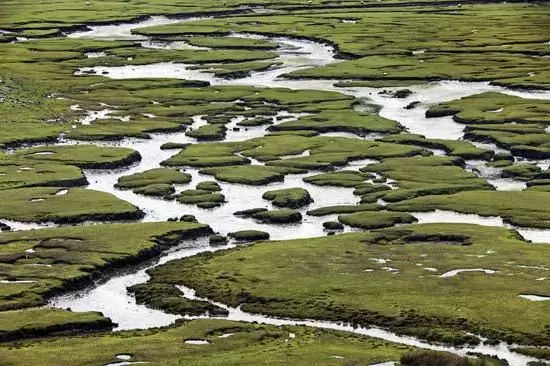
407	208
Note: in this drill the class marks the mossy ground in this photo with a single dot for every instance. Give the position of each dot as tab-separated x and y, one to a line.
61	257
168	347
391	277
329	277
31	323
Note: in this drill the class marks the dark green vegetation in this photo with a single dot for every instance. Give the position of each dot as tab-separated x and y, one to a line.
40	263
343	178
83	156
511	122
168	347
249	235
34	323
501	49
64	206
529	208
344	209
387	277
15	173
375	219
282	216
390	277
289	197
165	296
154	182
201	198
324	153
422	176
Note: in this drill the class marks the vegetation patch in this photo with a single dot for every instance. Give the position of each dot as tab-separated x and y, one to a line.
522	208
366	278
201	198
289	197
283	216
250	174
83	156
249	235
46	262
35	323
228	343
43	204
167	297
375	219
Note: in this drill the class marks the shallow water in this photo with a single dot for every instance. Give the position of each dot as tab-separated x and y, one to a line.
110	296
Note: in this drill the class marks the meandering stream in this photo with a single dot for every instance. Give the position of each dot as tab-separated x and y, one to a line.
110	296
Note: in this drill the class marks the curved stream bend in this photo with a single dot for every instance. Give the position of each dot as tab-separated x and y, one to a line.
111	297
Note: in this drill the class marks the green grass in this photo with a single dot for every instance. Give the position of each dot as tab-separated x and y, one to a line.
249	235
208	132
153	176
343	278
422	176
375	219
485	108
343	178
343	209
288	197
341	121
19	174
529	208
69	256
501	49
282	216
42	204
232	43
167	347
201	198
460	148
30	323
168	298
83	156
250	174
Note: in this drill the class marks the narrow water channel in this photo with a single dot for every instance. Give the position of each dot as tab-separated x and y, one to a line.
110	296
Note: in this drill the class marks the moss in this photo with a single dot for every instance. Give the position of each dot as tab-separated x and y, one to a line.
249	235
208	132
283	216
462	149
19	174
289	197
250	174
153	176
371	278
201	198
156	190
527	208
217	240
420	358
168	298
375	219
343	178
35	323
521	171
232	43
83	156
341	121
76	205
173	146
330	210
333	225
228	343
209	186
72	256
249	212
